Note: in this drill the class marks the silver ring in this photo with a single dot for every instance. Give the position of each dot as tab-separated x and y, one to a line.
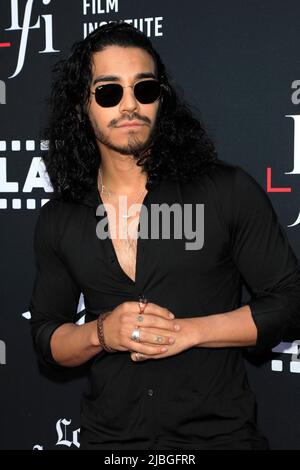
138	356
136	335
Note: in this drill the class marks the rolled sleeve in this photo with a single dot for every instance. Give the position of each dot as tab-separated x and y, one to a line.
266	262
55	295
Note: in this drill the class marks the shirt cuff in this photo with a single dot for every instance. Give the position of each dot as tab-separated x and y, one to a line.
271	322
42	344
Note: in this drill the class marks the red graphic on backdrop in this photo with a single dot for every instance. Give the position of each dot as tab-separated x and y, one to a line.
271	189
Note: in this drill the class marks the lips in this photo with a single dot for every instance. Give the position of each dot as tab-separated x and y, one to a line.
131	124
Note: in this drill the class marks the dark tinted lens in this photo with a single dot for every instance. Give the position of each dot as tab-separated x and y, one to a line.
108	95
147	92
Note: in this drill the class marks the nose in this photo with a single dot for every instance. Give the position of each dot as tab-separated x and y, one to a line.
128	102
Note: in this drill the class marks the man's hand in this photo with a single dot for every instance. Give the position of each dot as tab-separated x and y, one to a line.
156	324
185	338
222	330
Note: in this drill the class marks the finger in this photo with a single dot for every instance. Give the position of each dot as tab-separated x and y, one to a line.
136	356
155	337
154	321
150	308
146	349
155	309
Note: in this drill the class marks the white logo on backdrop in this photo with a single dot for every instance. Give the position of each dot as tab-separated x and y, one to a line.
26	26
65	436
151	26
292	349
296	164
296	169
295	99
37	176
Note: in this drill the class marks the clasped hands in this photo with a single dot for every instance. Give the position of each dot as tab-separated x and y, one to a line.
158	333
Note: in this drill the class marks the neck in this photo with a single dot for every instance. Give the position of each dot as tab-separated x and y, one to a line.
122	175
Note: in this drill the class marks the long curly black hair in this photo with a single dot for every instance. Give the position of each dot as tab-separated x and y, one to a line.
180	148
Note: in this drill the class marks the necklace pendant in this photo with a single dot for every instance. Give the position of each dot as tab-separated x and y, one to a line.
105	191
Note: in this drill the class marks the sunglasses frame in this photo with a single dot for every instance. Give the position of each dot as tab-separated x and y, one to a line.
128	86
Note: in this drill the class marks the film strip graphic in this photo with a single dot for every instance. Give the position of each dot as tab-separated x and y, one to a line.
27	145
286	363
21	146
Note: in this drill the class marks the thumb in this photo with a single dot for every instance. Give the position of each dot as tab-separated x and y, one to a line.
137	357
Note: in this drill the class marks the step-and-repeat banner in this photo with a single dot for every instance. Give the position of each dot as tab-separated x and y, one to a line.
237	64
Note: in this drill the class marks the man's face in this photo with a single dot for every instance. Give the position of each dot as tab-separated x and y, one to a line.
125	66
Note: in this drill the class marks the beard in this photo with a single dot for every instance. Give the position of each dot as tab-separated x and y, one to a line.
135	145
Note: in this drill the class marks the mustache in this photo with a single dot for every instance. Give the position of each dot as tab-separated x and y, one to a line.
134	116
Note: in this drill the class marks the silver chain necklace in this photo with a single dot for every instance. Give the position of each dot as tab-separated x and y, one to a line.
108	193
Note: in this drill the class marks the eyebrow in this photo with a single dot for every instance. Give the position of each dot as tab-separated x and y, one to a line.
114	78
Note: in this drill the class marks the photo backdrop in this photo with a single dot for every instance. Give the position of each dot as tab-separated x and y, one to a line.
237	64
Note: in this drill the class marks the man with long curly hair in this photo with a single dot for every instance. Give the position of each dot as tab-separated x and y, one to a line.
165	327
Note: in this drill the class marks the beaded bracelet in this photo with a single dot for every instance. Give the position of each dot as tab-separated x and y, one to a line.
100	331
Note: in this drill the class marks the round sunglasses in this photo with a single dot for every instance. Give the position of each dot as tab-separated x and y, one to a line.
110	94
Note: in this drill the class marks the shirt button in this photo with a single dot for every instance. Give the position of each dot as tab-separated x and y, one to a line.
150	392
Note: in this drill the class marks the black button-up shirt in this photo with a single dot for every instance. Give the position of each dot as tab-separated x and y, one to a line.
199	398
